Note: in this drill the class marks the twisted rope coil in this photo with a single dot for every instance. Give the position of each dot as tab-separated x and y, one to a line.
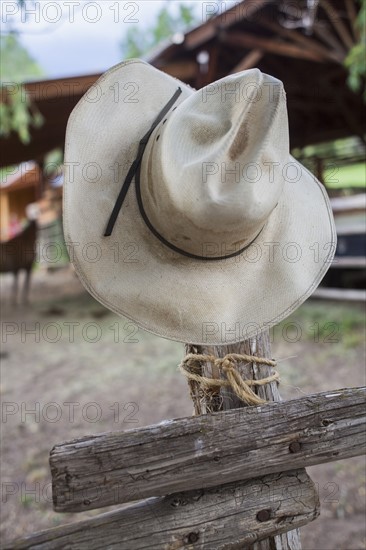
229	366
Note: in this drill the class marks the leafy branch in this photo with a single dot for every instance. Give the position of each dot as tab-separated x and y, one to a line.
18	115
140	41
355	61
17	112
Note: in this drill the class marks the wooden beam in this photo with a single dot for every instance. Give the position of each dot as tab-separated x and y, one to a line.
54	89
209	28
184	70
231	516
42	142
300	137
248	62
319	168
323	32
194	452
335	18
308	104
211	74
302	40
352	16
250	41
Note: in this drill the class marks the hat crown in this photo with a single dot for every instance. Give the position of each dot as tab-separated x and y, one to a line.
213	174
135	273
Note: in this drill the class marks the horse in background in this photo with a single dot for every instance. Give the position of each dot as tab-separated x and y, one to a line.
20	253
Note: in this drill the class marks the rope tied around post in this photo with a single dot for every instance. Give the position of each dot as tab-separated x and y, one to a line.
191	367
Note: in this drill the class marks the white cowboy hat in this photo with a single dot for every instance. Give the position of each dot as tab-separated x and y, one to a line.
183	209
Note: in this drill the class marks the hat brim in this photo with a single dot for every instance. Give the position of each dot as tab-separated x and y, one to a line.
135	275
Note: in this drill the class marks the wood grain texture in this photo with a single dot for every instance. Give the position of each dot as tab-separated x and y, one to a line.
259	346
229	517
241	40
207	450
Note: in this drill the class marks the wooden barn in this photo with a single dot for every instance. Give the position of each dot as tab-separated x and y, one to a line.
302	43
302	46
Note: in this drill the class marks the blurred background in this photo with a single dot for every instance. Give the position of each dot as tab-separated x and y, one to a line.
69	367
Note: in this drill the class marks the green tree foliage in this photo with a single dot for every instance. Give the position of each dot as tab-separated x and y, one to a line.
17	114
16	65
356	59
139	41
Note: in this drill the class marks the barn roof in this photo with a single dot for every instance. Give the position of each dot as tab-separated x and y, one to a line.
55	99
26	175
302	47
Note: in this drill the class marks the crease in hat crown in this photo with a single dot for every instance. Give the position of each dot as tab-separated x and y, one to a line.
206	174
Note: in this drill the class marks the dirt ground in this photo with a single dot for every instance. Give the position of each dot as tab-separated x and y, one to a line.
71	368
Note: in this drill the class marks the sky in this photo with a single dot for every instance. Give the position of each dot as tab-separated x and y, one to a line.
75	37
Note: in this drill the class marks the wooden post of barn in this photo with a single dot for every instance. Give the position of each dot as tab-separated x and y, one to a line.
41	184
206	402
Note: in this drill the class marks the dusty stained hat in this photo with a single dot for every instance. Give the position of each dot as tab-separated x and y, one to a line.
183	209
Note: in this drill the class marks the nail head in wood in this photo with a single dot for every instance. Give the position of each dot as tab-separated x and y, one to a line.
264	515
326	422
193	537
294	447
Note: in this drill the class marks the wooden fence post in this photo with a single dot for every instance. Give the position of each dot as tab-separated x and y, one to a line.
206	402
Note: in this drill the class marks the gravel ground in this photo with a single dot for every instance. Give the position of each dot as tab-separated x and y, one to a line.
71	368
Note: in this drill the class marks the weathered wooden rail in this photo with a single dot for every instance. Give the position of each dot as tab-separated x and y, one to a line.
229	516
219	460
208	450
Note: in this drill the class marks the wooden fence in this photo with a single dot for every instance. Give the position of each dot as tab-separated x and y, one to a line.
218	481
